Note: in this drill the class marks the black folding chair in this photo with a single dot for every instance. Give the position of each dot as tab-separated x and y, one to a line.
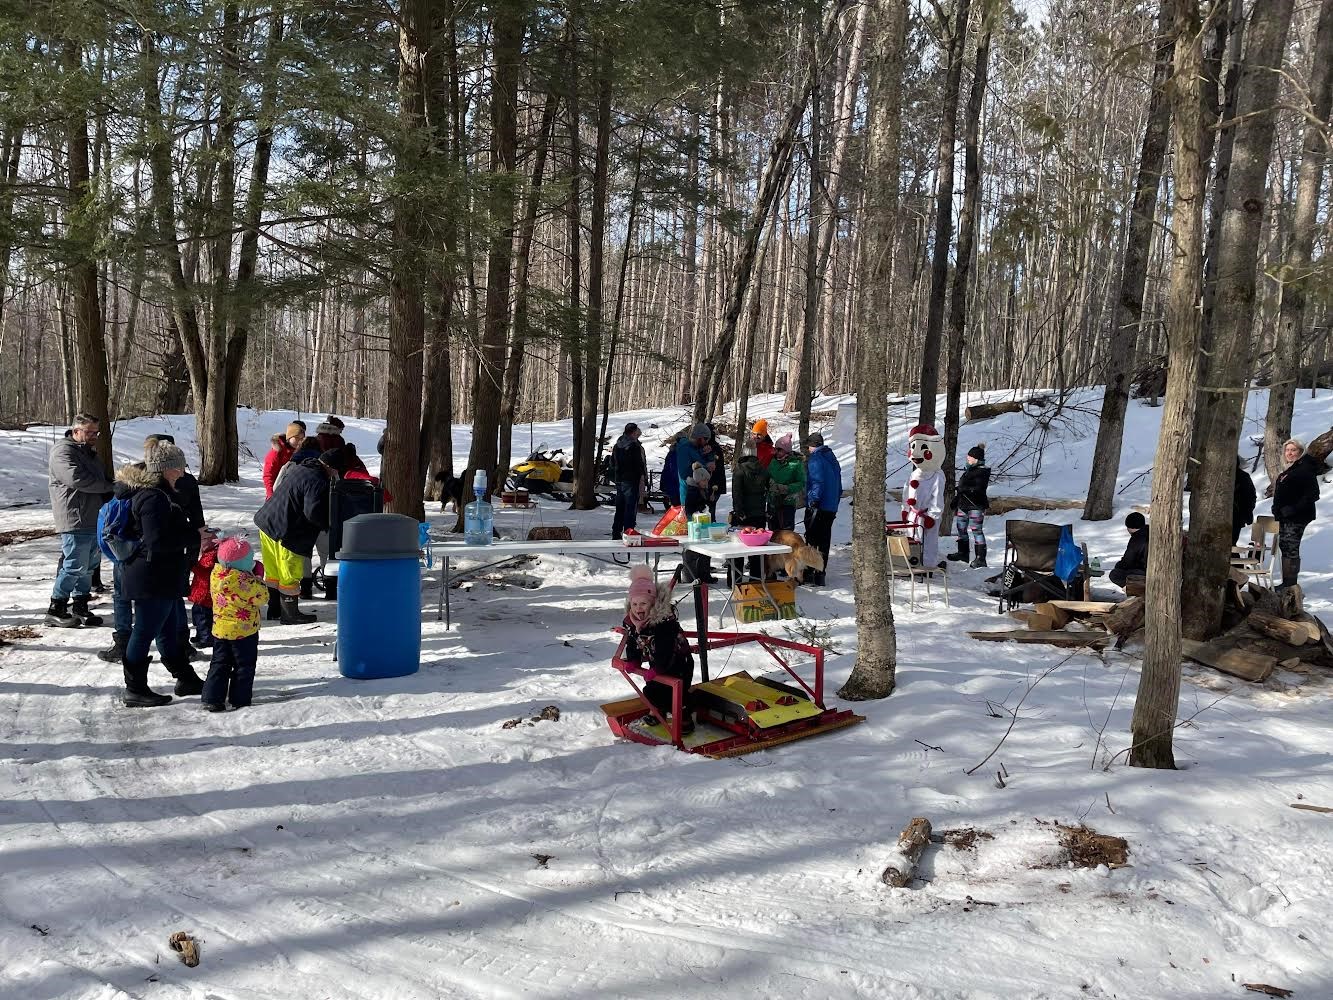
1030	551
347	499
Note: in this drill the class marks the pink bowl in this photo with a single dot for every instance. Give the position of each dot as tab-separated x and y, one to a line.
755	538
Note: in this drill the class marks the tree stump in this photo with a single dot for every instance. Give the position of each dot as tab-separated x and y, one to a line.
911	844
554	534
1126	618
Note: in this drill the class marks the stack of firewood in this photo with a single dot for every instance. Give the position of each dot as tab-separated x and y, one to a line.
1267	629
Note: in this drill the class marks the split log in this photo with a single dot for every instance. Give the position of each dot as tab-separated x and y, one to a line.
984	411
911	843
1059	616
1084	607
1293	633
1021	615
1291	602
1230	660
1039	622
1126	618
1066	640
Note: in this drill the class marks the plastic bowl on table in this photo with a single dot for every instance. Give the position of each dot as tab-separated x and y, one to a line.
718	532
754	538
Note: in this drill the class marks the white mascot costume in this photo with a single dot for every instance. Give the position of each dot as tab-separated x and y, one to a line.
923	496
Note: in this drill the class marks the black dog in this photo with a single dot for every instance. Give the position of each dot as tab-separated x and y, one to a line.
451	489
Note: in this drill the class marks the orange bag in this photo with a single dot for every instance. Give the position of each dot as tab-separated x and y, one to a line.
672	523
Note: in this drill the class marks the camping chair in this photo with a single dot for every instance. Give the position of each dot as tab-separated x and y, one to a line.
1256	558
1032	559
900	564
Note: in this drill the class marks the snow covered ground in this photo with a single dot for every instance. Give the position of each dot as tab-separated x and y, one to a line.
381	839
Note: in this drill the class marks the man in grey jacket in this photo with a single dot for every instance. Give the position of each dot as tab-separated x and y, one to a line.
78	485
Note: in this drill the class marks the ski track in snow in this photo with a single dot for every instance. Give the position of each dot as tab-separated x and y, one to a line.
374	839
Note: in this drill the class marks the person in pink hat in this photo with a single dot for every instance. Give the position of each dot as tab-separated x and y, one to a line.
653	634
239	595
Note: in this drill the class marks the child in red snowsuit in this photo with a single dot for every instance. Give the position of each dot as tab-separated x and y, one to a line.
201	598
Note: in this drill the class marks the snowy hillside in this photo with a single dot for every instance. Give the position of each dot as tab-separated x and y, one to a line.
391	839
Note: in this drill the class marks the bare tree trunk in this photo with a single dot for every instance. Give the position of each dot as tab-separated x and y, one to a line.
508	30
1295	273
1224	368
770	182
401	470
89	342
1159	684
967	230
689	310
939	261
814	284
873	676
1133	279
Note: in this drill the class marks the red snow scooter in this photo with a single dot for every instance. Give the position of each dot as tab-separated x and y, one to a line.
736	714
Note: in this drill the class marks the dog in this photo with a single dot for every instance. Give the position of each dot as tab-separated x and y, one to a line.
451	490
801	557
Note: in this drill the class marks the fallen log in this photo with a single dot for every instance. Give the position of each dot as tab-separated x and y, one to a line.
1236	662
557	533
984	411
1309	808
1126	618
1066	640
911	843
1059	617
1293	633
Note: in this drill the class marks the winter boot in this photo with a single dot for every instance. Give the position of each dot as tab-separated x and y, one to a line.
98	586
187	681
116	651
961	554
274	605
292	613
330	588
980	561
308	588
137	692
58	616
78	607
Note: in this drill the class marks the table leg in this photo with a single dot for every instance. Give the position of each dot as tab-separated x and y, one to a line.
444	588
701	625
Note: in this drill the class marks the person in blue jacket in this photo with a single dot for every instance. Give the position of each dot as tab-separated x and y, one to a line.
696	450
823	492
670	477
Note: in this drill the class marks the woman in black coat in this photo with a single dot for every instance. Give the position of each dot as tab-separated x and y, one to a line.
156	577
1294	497
1243	499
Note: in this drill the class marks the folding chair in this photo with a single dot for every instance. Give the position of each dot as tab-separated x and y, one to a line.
900	564
1033	548
1256	558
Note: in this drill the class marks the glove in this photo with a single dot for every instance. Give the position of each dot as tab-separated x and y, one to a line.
928	521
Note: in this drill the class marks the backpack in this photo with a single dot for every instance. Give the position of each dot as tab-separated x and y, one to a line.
114	535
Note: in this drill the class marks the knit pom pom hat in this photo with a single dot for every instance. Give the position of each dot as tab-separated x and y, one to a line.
164	457
641	583
784	444
977	451
236	553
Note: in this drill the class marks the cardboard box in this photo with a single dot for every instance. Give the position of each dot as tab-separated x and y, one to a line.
752	605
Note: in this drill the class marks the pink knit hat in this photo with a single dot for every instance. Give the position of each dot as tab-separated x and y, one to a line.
641	583
784	444
235	550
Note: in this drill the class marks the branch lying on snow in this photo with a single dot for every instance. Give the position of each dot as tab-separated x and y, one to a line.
1013	720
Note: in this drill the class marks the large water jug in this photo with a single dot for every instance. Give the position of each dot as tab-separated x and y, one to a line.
478	517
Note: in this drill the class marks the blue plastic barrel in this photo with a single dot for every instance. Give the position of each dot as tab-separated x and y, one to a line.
379	597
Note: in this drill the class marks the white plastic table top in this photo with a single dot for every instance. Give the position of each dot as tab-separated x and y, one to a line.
714	550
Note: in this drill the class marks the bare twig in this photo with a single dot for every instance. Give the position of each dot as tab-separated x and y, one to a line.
1014	719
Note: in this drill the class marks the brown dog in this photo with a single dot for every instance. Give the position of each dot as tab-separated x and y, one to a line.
801	556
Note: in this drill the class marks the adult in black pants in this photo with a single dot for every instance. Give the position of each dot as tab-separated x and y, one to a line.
156	577
188	498
823	493
631	466
1294	496
1243	499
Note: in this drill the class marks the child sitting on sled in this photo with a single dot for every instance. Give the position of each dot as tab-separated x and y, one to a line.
653	634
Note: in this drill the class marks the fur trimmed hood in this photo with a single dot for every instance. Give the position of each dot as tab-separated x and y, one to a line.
136	476
661	609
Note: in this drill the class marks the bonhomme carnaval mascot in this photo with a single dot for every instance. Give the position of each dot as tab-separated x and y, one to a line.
923	496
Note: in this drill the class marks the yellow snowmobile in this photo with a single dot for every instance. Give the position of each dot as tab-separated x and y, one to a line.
542	472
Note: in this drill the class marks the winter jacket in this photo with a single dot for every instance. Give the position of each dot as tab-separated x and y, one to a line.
765	450
78	483
1135	560
972	485
161	567
687	454
670	479
749	501
1243	499
631	463
1296	491
661	641
273	463
824	480
200	588
237	599
309	449
299	508
719	482
788	472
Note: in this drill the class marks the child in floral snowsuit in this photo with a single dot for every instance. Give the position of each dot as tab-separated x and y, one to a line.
239	594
